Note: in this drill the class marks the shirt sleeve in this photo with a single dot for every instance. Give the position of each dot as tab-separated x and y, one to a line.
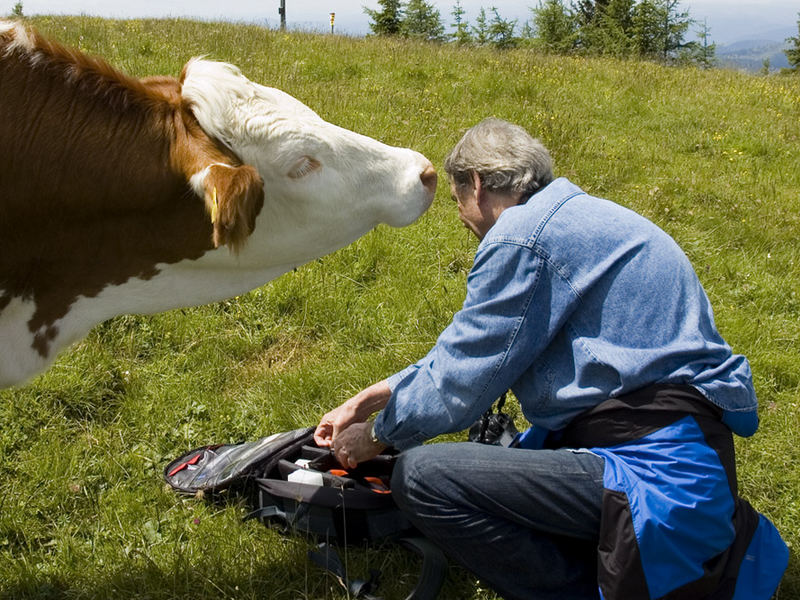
515	304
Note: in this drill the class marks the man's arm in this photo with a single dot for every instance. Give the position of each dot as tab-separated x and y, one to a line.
516	303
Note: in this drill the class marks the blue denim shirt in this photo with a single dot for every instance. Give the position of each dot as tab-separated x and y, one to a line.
571	300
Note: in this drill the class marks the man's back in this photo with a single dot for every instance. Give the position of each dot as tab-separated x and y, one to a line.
623	306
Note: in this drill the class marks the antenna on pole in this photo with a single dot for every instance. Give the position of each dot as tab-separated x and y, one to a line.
282	13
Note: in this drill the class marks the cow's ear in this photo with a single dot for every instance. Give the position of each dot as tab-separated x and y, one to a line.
234	197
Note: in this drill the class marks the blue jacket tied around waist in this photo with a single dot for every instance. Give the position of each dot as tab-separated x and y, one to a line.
672	523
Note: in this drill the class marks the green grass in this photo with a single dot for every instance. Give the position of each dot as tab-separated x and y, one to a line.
711	156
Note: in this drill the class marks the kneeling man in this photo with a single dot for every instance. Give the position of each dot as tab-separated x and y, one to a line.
625	485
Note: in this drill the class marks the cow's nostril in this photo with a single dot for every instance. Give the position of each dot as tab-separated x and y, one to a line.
429	178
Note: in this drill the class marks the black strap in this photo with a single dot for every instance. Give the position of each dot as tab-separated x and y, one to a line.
268	512
327	558
431	579
434	568
277	516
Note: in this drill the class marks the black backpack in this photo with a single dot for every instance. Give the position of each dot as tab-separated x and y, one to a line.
298	488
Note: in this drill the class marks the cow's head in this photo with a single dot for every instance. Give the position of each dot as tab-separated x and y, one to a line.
323	185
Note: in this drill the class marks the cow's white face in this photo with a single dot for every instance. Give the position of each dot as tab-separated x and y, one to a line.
322	184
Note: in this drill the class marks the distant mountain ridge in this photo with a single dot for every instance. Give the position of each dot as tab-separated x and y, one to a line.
750	55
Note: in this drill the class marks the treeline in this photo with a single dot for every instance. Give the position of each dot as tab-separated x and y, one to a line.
793	51
649	29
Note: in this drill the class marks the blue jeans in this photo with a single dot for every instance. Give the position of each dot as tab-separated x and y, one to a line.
526	522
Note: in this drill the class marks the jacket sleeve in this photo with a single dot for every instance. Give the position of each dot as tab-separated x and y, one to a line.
515	304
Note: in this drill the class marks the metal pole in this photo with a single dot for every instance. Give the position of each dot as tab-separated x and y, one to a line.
282	13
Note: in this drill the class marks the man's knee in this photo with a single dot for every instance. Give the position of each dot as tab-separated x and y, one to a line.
414	477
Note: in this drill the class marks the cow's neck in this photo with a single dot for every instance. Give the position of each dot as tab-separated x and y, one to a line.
89	205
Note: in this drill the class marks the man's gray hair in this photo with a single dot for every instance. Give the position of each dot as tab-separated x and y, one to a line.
505	157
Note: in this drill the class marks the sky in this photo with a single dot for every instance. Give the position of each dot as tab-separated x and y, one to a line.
728	20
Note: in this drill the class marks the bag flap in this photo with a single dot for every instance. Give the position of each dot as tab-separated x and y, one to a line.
214	468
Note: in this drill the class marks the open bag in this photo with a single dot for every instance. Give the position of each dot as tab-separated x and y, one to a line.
300	489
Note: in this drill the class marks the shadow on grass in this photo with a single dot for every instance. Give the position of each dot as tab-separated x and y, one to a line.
293	577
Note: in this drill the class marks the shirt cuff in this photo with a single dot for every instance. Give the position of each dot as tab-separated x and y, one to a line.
401	445
378	425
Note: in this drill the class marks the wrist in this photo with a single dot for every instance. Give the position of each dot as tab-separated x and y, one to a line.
372	435
376	441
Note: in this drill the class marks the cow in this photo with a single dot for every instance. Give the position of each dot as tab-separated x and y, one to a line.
124	195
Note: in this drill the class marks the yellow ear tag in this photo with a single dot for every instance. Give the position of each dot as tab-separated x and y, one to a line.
214	207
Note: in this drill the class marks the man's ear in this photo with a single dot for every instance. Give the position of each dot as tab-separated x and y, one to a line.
234	197
477	187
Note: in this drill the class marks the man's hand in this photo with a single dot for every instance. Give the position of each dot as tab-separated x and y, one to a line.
354	445
337	420
354	411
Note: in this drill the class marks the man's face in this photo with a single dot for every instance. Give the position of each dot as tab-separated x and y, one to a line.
466	198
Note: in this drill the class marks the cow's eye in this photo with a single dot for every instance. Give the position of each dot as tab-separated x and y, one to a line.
303	167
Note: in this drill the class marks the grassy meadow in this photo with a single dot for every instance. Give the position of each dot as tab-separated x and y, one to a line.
711	156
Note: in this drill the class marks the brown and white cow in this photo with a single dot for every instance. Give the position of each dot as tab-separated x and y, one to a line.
116	193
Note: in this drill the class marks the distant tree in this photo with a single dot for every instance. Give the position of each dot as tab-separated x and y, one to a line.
554	28
17	10
587	11
422	21
793	52
765	66
703	53
648	28
605	26
620	12
480	32
676	25
613	28
387	20
659	27
460	25
501	31
528	32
